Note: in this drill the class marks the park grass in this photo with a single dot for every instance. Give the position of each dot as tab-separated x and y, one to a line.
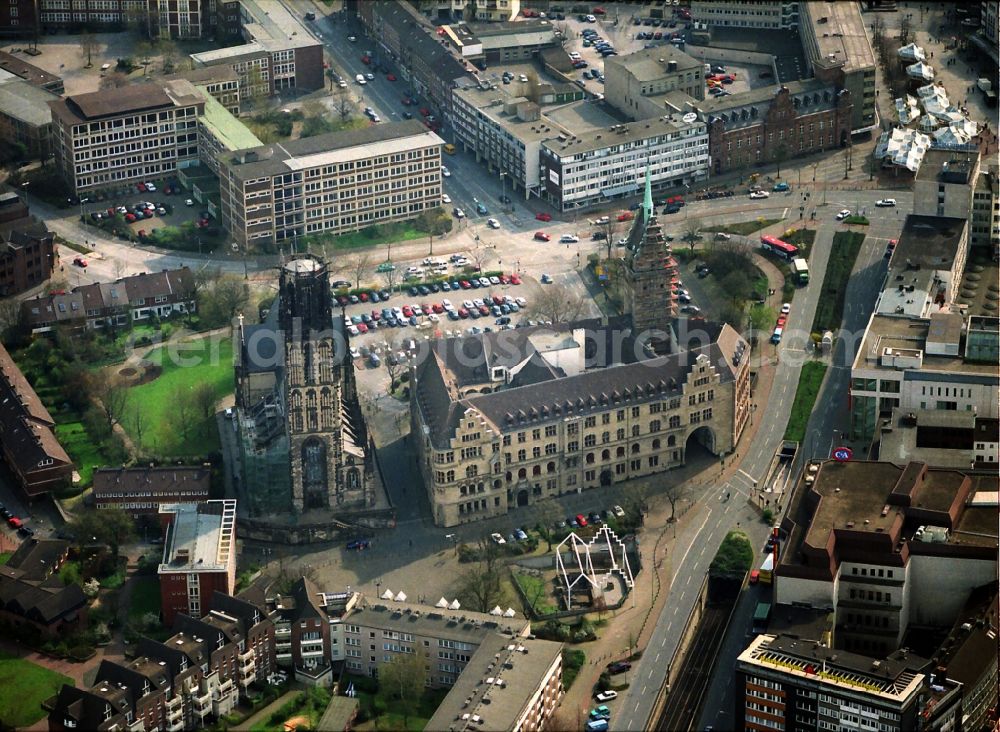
201	360
534	587
858	220
364	239
810	381
5	557
86	454
830	308
744	228
23	687
145	597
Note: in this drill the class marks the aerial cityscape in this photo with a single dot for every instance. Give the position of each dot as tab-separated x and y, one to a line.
499	365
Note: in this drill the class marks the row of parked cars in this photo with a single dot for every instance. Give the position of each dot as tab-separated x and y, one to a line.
398	317
16	523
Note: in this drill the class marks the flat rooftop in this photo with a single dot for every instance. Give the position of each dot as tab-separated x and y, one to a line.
275	26
947	166
492	102
784	44
230	54
625	133
650	64
929	242
226	128
201	536
429	621
886	331
26	102
841	34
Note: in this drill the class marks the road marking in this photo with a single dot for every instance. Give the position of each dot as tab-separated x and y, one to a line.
644	687
637	706
688	580
657	659
650	675
746	475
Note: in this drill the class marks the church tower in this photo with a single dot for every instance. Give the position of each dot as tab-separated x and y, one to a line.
650	275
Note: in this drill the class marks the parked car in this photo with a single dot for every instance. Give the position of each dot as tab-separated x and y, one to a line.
619	667
885	202
759	194
606	695
498	538
542	236
569	239
843	214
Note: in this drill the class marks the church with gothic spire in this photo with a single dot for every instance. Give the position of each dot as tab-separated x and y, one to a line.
650	276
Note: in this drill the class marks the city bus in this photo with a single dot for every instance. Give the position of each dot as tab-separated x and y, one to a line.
776	246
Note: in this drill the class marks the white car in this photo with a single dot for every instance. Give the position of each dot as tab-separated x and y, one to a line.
151	188
477	303
484	281
461	262
445	172
723	236
494	280
342	84
619	512
355	353
352	39
605	696
843	214
493	223
520	301
759	194
591	19
622	242
189	202
417	310
498	538
786	308
446	304
574	55
468	304
353	330
569	239
413	270
522	78
886	202
360	78
370	76
433	317
445	198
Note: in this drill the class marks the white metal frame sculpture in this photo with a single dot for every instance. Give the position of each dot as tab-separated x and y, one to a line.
584	563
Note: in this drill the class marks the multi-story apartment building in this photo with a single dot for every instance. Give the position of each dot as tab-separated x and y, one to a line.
484	10
984	224
20	18
141	491
401	32
786	682
652	72
511	418
199	556
944	183
34	596
838	52
197	673
117	137
887	548
774	14
509	685
31	450
25	116
332	183
28	254
447	639
117	304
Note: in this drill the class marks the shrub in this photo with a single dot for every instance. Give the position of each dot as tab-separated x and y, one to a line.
767	516
735	555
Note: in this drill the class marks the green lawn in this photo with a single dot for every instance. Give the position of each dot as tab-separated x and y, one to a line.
145	597
745	228
5	556
830	308
23	687
859	220
203	360
534	587
810	381
362	239
85	452
802	238
429	703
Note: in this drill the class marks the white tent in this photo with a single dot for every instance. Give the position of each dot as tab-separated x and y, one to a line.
442	603
496	611
903	147
931	90
455	605
921	71
509	613
907	109
966	127
950	116
401	597
912	52
387	595
929	123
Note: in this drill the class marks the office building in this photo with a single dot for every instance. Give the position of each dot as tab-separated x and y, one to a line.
199	556
838	52
220	82
176	19
33	598
498	43
785	682
772	14
28	254
378	631
109	305
939	437
182	683
512	418
128	135
331	183
220	134
984	224
509	684
944	184
32	453
140	491
482	10
652	72
887	548
969	656
25	117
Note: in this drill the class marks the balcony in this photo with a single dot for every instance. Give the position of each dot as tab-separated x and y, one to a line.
282	631
175	703
247	679
175	726
174	711
248	656
203	704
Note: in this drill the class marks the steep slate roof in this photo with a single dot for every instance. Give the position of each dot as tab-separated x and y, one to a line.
37	558
87	707
166	479
43	602
538	400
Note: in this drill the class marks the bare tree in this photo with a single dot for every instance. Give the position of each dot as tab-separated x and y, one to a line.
548	513
204	398
692	232
137	422
89	45
119	267
389	275
358	265
610	230
402	683
182	409
392	366
169	54
343	105
481	255
558	304
111	395
674	492
480	587
114	80
143	50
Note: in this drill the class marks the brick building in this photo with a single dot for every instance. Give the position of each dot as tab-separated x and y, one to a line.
32	595
27	250
199	556
31	451
141	491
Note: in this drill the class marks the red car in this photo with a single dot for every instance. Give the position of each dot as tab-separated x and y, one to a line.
80	262
625	216
597	11
483	310
515	280
438	308
342	300
141	187
543	216
497	300
362	328
463	313
363	296
15	522
782	319
376	315
426	308
464	284
528	13
542	236
424	112
390	77
504	279
581	519
366	60
407	311
130	217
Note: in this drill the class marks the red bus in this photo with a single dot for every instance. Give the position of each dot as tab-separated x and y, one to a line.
776	246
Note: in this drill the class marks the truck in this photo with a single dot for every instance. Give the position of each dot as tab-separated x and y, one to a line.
760	617
767	569
801	270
